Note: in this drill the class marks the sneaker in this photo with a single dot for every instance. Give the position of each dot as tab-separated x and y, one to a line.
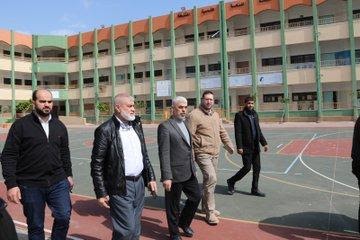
231	187
211	219
216	212
257	193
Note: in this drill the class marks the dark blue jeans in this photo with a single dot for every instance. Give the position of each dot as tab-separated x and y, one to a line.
57	197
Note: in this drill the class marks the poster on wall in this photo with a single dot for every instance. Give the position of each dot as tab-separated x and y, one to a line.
55	94
163	88
240	80
270	78
210	83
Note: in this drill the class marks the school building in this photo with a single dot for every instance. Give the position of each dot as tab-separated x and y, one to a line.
300	60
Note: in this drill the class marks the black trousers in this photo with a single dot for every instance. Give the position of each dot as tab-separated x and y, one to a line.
7	227
184	218
252	158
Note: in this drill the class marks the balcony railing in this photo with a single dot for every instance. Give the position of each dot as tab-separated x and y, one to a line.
336	62
51	59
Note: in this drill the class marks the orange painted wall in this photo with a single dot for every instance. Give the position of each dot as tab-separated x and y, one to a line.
104	34
209	13
121	30
267	5
141	26
162	22
183	18
5	36
23	39
237	8
88	38
73	41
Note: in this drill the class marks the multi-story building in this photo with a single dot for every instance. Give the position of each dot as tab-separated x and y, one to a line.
300	59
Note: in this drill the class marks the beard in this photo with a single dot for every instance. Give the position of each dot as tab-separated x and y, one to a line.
127	116
43	112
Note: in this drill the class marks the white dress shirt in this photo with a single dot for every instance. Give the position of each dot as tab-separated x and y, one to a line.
131	145
45	125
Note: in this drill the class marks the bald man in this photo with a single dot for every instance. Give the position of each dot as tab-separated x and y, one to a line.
37	168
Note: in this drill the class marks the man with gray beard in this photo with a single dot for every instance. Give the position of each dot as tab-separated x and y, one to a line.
120	168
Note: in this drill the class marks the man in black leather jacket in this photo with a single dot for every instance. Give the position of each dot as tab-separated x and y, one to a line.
120	168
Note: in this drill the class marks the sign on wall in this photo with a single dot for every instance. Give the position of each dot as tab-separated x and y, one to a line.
163	88
210	83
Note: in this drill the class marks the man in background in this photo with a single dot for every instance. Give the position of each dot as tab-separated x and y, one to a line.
248	135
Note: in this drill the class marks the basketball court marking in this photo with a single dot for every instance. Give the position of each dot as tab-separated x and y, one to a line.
299	158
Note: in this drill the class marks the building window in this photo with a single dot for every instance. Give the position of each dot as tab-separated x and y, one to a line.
18	81
269	26
7	81
276	97
88	80
28	82
304	96
27	55
191	69
271	61
6	52
87	54
214	67
138	75
300	22
103	79
103	51
302	58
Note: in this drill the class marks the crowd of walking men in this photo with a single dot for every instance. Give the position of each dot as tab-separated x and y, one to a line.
37	168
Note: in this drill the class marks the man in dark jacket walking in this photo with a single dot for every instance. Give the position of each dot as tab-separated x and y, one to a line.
37	168
248	135
120	168
355	155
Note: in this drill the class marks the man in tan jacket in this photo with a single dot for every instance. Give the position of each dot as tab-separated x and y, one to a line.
208	132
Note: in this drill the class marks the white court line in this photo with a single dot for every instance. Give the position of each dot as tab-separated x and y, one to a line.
316	172
301	152
45	230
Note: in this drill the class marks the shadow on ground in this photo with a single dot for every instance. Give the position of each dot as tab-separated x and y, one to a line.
310	220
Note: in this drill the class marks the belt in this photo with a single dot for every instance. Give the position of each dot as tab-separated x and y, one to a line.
133	178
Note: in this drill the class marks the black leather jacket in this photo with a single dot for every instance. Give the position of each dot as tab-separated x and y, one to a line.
107	159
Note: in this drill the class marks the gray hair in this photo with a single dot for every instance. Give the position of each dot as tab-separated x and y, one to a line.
178	99
120	97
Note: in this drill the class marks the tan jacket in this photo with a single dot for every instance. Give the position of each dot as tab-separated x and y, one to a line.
207	132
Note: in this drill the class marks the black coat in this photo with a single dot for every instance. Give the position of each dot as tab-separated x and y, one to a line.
107	159
243	133
355	151
30	158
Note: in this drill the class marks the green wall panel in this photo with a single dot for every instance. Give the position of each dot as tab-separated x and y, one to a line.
50	67
50	41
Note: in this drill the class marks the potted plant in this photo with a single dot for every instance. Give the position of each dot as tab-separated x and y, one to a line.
103	107
22	107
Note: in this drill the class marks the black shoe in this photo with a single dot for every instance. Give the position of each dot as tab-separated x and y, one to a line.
175	237
258	193
188	232
231	188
